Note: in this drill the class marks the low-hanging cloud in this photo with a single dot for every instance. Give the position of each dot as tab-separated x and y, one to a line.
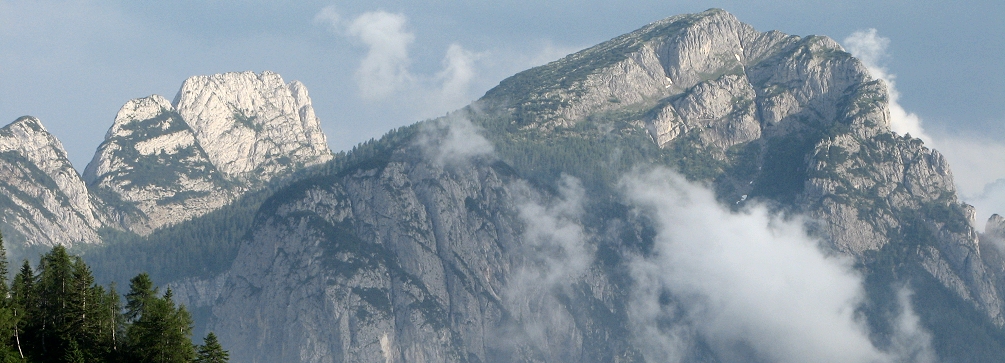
554	255
870	48
752	285
453	140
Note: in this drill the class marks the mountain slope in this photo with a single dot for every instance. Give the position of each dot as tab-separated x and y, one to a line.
153	170
361	262
44	200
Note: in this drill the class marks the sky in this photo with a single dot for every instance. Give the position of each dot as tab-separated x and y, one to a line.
372	66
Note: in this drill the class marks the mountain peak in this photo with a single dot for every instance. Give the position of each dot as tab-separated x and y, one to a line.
45	200
245	121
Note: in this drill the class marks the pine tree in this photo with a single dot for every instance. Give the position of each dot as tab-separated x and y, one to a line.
8	320
24	303
162	333
141	291
55	318
211	351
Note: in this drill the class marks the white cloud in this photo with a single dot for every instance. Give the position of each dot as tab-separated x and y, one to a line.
385	67
329	16
979	172
384	72
453	140
746	279
911	342
554	256
870	48
456	77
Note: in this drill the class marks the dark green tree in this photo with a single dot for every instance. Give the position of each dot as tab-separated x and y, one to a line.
24	303
162	333
141	291
211	351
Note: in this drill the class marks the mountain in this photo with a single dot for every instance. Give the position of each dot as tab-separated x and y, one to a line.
162	162
225	134
693	191
152	168
43	199
429	245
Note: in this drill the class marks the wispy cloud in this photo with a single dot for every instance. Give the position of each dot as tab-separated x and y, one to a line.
384	69
751	284
385	72
453	140
870	48
554	255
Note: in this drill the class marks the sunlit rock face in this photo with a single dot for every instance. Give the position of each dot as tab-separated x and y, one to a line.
164	163
252	126
151	168
44	201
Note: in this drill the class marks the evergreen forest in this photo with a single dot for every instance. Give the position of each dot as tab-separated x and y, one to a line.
55	312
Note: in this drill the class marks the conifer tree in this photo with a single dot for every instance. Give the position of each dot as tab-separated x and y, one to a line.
24	302
141	291
162	333
211	351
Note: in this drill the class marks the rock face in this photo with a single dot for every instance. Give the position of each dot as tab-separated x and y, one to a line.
252	126
402	258
44	200
160	163
802	121
377	265
225	134
151	167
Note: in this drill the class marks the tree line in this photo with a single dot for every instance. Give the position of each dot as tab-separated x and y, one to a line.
55	312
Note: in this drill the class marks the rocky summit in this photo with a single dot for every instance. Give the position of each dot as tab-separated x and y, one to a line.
163	163
513	230
44	199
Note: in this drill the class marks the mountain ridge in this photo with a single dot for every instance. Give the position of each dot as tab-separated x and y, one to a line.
501	231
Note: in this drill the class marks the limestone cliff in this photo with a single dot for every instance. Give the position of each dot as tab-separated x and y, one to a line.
44	201
252	126
152	171
164	163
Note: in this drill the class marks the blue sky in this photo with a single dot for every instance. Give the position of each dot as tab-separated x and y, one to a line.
74	63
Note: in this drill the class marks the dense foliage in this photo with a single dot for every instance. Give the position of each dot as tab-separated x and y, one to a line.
56	313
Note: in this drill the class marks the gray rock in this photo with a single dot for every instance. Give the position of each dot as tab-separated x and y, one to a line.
153	171
252	126
44	201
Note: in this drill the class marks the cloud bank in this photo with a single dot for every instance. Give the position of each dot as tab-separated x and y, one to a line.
870	48
752	285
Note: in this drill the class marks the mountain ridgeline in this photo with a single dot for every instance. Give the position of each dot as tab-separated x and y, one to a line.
506	231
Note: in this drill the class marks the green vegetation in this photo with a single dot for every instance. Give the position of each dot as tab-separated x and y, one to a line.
56	313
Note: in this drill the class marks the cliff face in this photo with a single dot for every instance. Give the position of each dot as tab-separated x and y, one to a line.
45	202
404	258
163	163
152	169
400	260
252	126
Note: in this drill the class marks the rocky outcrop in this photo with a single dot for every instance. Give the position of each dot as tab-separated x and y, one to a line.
152	171
402	261
252	126
44	201
226	134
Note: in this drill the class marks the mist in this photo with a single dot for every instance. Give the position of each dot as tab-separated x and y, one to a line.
753	285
